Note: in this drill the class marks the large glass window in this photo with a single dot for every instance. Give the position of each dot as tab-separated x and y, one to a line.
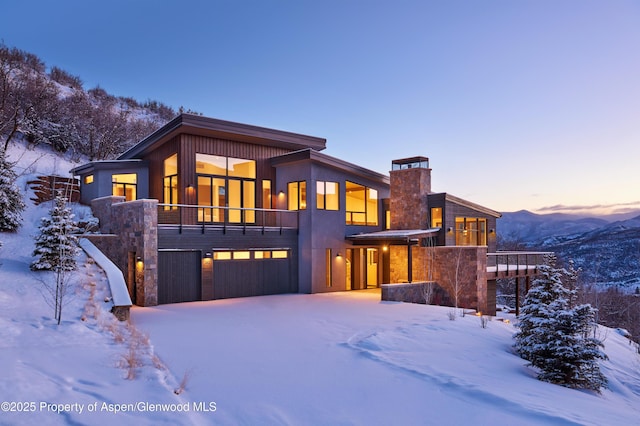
327	195
170	186
361	204
125	185
226	182
297	195
471	231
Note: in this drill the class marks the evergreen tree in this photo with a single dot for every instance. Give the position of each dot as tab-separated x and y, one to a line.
57	245
11	203
556	338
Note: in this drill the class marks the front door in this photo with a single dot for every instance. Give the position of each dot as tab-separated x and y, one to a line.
372	267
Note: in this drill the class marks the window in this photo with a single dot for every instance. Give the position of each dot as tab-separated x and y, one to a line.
436	217
471	231
297	195
361	204
250	254
170	186
328	271
88	179
327	195
266	194
125	185
226	189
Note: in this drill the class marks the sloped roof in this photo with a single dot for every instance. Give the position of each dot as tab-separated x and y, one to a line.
212	127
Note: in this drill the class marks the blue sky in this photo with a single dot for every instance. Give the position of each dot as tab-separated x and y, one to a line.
518	104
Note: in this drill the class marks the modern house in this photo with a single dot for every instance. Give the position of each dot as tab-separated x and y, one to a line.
208	209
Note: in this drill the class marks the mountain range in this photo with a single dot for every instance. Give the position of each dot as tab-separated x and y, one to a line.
606	248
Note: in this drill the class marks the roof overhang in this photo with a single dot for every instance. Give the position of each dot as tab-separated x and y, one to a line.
466	203
214	128
393	237
107	165
329	161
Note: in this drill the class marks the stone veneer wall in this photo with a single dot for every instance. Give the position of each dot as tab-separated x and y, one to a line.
133	227
473	291
409	206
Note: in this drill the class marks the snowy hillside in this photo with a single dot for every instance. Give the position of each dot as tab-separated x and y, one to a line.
340	358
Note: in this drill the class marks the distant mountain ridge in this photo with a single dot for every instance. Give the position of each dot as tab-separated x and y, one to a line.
608	251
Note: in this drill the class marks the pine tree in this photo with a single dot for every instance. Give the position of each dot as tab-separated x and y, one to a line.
11	203
556	338
57	245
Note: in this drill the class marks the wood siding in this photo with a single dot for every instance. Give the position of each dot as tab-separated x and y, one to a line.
179	278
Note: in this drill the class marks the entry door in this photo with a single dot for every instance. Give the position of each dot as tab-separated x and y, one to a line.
372	268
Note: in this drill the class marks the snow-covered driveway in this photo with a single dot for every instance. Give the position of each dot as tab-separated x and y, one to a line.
348	358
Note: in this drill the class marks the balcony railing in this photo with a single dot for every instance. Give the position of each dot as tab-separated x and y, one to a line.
504	264
182	215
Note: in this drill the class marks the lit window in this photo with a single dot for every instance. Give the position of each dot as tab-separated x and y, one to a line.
260	254
222	255
436	217
279	254
170	181
241	255
266	194
361	204
88	179
297	195
328	269
228	183
471	231
327	195
125	185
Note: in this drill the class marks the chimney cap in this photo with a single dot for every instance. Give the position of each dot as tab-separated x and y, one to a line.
410	163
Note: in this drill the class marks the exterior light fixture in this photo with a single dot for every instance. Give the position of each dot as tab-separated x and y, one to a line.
208	255
139	259
339	254
385	248
449	230
492	231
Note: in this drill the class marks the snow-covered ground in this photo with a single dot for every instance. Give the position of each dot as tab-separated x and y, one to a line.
341	358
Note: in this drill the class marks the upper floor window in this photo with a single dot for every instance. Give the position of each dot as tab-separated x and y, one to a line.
125	185
297	195
170	181
361	204
327	195
226	182
218	165
88	179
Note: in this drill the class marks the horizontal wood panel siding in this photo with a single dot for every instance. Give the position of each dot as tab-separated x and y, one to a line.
193	238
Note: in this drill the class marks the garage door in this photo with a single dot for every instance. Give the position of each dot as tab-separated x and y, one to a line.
252	273
179	276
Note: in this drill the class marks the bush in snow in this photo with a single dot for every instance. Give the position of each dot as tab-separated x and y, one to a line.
557	339
11	203
57	245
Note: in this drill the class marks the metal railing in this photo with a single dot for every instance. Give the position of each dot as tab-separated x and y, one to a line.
515	263
225	217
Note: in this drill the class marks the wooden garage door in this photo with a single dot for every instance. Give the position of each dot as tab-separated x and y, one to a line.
179	276
251	277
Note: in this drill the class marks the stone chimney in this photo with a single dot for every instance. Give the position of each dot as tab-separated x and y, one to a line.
410	183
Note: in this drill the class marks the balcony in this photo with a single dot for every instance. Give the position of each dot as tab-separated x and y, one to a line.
185	215
514	264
